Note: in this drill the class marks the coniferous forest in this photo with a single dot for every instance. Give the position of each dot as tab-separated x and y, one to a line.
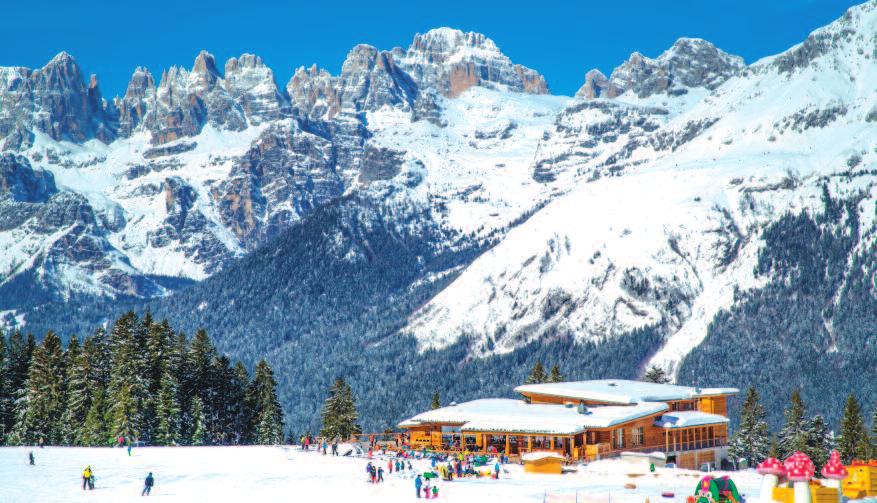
143	381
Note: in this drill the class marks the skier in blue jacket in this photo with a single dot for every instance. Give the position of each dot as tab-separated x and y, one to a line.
418	483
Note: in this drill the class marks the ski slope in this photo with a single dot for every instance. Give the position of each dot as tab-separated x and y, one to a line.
269	474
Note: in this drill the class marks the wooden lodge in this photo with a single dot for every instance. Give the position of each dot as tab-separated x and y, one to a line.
585	420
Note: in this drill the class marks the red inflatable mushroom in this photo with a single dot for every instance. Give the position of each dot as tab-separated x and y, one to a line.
771	466
771	470
834	469
799	468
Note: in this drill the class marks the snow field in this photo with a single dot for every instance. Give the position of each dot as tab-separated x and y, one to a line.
268	474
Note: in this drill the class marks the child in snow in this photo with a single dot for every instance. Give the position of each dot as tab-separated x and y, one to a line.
147	485
496	471
434	492
380	474
397	465
30	457
129	450
390	466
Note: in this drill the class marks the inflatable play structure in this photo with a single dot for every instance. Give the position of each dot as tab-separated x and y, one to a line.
715	490
861	481
543	462
793	481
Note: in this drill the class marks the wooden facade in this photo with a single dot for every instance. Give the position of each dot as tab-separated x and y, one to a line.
689	447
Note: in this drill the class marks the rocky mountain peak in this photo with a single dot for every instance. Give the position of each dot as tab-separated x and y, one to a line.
312	92
451	61
688	63
251	84
371	79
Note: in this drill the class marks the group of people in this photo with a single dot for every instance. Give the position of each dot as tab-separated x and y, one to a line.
422	484
88	481
321	444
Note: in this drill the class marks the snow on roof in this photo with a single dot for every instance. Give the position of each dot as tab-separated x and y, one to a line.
688	418
507	415
621	391
537	455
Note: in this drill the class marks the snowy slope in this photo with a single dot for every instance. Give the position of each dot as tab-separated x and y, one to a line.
665	226
273	474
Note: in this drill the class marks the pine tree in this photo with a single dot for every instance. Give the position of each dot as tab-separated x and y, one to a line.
555	375
537	375
436	401
820	441
243	413
5	391
199	429
793	436
94	431
78	391
657	375
20	352
179	365
127	390
873	452
853	442
168	414
340	419
268	416
751	442
202	354
40	416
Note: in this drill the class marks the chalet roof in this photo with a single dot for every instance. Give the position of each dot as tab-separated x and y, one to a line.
507	415
620	391
688	418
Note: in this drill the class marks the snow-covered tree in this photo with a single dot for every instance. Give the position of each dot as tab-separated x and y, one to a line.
5	391
19	351
793	436
199	429
167	411
555	375
268	416
340	418
656	374
94	431
78	391
39	417
537	375
820	441
752	441
853	441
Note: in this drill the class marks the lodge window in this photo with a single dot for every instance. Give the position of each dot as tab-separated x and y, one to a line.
636	436
618	439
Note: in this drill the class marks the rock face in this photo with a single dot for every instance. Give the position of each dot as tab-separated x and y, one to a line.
251	84
689	63
54	99
451	61
20	182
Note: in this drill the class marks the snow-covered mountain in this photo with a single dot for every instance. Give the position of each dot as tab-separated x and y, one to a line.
679	164
640	203
183	174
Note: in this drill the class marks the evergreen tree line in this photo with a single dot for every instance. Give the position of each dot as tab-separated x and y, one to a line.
753	442
142	381
538	375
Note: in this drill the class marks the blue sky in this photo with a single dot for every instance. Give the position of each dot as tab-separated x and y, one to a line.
562	40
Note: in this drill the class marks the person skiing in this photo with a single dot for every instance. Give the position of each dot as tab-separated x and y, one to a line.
380	474
87	478
418	483
129	450
409	464
30	458
496	470
147	485
398	467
